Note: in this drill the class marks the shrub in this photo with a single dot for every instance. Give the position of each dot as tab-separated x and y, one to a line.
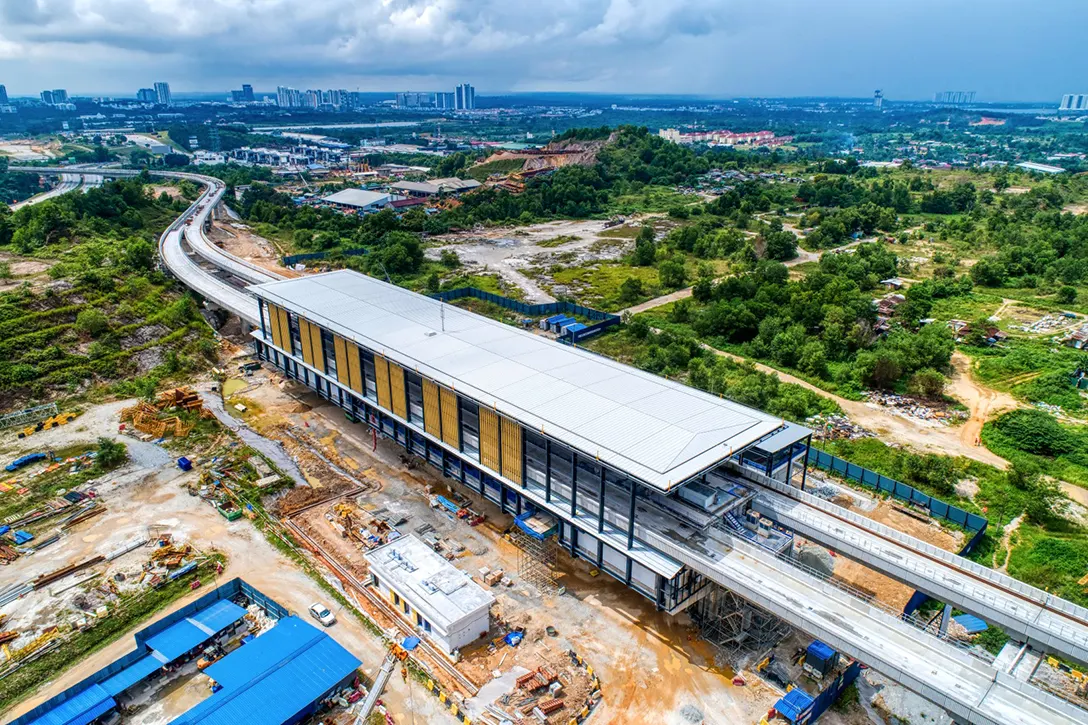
92	322
1034	431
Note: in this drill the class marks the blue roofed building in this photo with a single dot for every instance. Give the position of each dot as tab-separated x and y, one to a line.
279	677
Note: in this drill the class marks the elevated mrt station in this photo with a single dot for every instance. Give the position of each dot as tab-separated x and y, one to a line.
612	453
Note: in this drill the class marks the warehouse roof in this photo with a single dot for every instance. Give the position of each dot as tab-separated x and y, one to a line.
437	588
656	430
273	678
194	631
79	710
360	198
437	186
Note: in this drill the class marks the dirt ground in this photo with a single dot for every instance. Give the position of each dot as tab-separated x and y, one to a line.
982	402
883	588
239	240
150	492
650	665
511	251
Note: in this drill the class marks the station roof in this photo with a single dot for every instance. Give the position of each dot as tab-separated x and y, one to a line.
193	631
656	430
433	585
274	677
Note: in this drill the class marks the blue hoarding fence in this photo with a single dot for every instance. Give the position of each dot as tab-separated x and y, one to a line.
602	320
294	259
872	479
229	590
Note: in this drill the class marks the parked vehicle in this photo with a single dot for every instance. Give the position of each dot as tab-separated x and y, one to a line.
322	614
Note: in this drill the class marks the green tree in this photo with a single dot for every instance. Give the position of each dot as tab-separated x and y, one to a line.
92	322
1067	295
631	290
672	273
927	383
645	247
109	454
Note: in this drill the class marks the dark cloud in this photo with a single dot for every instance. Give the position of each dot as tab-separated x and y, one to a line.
717	47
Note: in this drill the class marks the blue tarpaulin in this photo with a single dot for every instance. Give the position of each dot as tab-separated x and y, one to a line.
795	706
971	623
194	631
272	680
79	710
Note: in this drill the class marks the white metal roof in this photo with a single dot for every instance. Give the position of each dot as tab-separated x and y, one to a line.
654	429
432	585
358	197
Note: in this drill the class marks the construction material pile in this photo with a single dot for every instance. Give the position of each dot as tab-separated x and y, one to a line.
837	427
906	407
153	419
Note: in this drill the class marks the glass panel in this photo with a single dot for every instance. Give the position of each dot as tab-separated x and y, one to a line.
536	461
296	336
470	428
329	348
368	374
415	398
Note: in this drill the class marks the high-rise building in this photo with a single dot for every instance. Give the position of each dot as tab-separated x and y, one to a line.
47	97
1070	102
465	99
162	92
445	100
3	95
60	95
878	100
247	93
147	95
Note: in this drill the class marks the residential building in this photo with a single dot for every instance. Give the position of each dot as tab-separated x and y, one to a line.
3	95
445	100
1074	102
60	95
162	93
465	97
47	97
442	602
535	426
878	100
415	99
147	95
247	93
451	185
288	97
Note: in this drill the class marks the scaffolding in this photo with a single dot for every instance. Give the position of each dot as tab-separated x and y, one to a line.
737	628
537	558
28	415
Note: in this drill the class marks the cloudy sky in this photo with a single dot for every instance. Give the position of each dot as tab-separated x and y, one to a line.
1003	49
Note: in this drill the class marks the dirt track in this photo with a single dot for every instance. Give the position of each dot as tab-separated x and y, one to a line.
947	441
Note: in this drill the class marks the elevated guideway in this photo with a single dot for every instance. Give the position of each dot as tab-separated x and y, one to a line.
68	182
971	690
208	285
1046	622
199	242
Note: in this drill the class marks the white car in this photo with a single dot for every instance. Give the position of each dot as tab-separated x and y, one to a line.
322	614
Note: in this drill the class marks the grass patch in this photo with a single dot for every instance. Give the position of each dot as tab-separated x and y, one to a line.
598	285
502	167
1051	561
649	199
557	241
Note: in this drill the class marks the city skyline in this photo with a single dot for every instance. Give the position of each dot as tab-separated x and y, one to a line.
709	48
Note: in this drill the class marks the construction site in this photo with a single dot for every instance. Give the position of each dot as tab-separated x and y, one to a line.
495	527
